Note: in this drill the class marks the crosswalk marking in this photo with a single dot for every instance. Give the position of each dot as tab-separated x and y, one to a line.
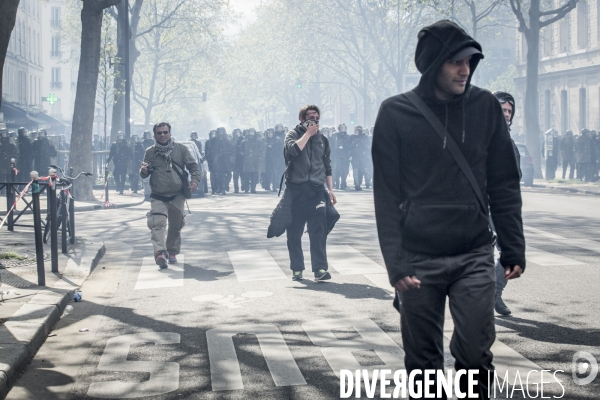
255	265
547	259
152	277
586	244
348	261
505	358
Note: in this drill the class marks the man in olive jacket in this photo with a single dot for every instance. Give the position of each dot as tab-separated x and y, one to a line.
161	163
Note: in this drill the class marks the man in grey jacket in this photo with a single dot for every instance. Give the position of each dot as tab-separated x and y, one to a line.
308	157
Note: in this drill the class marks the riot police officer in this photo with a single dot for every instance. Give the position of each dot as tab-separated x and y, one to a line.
567	154
25	162
359	147
223	156
138	151
238	163
210	160
254	149
43	152
121	155
148	140
8	151
340	154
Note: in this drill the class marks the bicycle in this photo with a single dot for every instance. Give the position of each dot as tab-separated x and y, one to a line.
65	183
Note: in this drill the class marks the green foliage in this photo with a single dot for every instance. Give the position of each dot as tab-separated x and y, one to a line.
506	81
10	255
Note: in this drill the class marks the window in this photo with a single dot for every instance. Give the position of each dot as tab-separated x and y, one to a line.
565	34
56	81
55	51
55	17
582	109
564	110
582	24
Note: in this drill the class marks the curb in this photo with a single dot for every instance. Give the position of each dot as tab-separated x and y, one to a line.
568	189
26	331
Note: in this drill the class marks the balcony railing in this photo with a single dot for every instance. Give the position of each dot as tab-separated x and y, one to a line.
56	85
55	54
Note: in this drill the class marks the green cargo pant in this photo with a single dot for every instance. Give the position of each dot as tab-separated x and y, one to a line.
161	212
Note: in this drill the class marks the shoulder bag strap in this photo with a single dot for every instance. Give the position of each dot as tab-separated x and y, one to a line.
450	144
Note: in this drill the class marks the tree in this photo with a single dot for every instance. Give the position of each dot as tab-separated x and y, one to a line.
105	95
85	97
8	16
530	28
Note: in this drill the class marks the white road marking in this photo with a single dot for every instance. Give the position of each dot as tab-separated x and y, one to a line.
225	371
505	358
164	376
547	259
152	277
586	244
348	261
338	353
255	265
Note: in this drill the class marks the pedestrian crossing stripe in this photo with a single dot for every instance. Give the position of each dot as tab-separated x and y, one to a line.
547	259
586	244
152	277
255	265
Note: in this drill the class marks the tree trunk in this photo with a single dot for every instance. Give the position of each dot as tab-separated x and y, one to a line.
85	99
118	111
8	16
531	106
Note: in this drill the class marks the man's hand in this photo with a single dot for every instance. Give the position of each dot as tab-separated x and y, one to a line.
407	283
193	186
512	272
333	198
312	129
144	169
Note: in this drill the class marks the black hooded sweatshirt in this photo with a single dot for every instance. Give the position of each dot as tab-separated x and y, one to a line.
423	202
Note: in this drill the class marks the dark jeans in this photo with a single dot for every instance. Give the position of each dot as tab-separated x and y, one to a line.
120	181
340	173
237	179
249	181
469	283
310	212
566	164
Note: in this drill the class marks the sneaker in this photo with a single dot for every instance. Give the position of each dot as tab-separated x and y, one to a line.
322	275
161	259
172	259
297	276
501	308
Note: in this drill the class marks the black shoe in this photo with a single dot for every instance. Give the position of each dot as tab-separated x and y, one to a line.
357	188
253	191
237	190
322	275
297	276
501	308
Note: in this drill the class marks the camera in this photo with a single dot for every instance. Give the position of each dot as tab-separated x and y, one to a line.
150	168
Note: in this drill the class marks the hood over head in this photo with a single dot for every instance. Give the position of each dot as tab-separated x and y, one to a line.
438	43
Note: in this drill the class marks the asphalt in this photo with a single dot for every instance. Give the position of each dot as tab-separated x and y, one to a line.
29	312
166	329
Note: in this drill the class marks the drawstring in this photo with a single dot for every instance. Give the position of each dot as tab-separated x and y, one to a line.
446	127
463	107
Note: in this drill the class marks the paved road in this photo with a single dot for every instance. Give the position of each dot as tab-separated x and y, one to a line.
228	322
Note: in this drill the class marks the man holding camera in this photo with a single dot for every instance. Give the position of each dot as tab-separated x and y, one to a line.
308	156
164	162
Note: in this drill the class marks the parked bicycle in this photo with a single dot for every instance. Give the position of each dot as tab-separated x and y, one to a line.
64	183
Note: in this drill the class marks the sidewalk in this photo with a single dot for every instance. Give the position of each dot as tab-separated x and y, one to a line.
28	312
115	201
573	186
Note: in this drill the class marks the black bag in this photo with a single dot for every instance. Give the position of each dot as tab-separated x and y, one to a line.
183	175
281	217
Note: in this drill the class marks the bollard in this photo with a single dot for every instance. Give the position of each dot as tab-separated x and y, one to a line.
63	222
37	225
106	183
53	220
71	202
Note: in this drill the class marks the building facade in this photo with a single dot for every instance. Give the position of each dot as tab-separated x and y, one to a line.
569	72
60	73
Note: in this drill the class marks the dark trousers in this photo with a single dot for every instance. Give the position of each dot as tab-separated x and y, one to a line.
249	181
568	164
468	281
213	182
582	169
120	179
237	179
310	212
358	172
340	173
134	182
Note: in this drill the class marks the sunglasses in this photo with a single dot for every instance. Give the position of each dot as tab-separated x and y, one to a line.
162	133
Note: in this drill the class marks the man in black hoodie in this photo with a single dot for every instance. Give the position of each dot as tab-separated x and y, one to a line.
433	232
